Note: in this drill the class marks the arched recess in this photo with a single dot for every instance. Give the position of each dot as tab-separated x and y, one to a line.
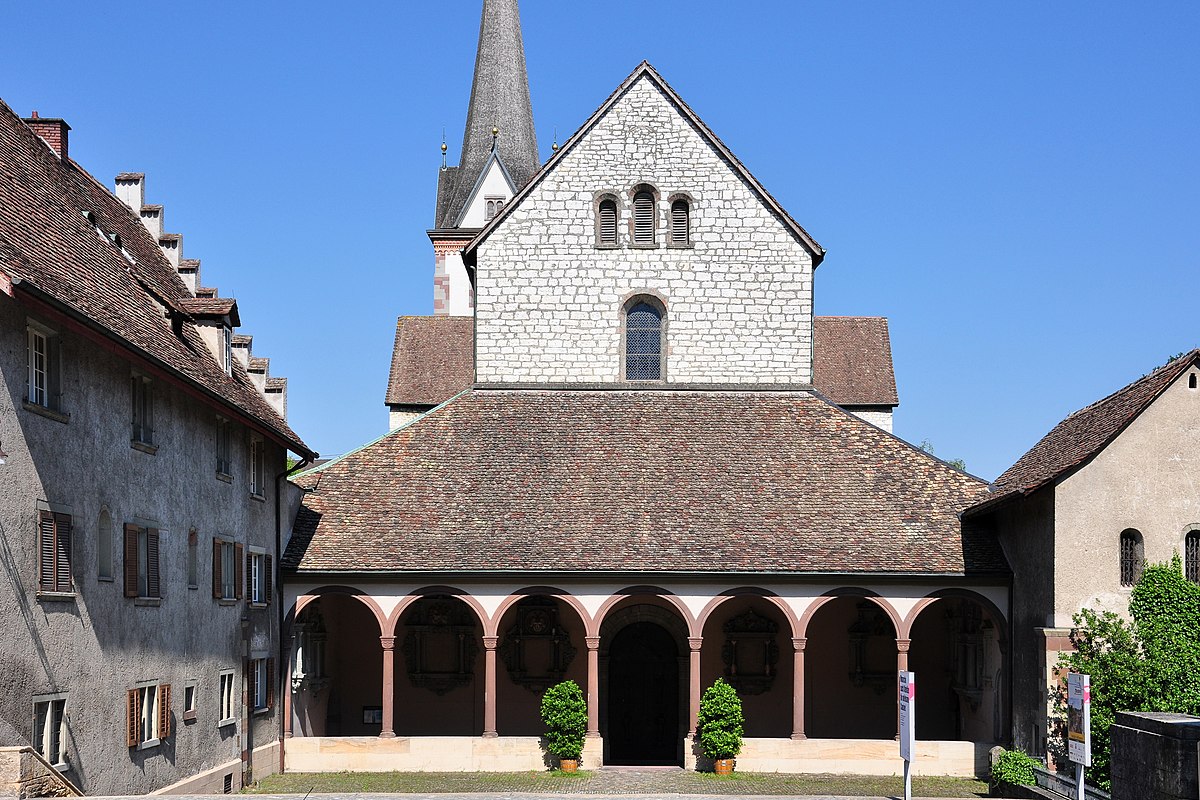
650	591
747	641
959	651
316	594
848	591
541	639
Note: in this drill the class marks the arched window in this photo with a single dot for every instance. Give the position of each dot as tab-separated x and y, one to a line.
606	223
1191	556
104	559
681	222
644	339
643	218
1131	557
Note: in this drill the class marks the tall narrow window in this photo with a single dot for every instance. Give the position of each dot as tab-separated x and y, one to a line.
54	534
643	341
226	699
226	570
227	332
606	223
1131	557
193	560
142	395
261	679
1191	556
104	559
681	222
224	447
643	218
141	562
258	471
49	729
42	368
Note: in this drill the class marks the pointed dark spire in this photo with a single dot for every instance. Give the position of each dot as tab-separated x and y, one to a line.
500	100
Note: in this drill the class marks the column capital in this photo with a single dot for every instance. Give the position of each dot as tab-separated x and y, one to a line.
388	642
490	642
694	642
592	642
798	644
902	645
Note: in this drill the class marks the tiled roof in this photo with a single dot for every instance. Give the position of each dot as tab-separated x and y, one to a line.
51	251
211	307
1084	433
433	359
852	361
259	364
623	481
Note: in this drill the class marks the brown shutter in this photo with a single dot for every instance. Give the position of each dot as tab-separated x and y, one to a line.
164	710
152	584
133	718
131	555
62	553
268	580
251	682
270	683
239	565
216	570
45	551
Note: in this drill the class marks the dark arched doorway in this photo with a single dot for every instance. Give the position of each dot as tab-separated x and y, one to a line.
643	696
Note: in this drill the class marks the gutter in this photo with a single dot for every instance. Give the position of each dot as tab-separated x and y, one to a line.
282	680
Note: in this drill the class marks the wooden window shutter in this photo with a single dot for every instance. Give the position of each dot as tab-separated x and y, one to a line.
131	560
164	710
270	683
133	718
239	566
643	218
46	551
268	580
153	589
216	568
251	682
680	219
608	222
62	553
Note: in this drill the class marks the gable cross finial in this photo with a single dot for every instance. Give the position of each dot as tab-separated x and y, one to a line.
443	148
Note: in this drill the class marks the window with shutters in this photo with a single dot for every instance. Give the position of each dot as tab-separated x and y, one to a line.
226	700
43	368
681	223
644	218
104	546
54	553
261	688
141	562
227	562
644	339
1191	556
142	395
258	469
147	715
259	579
606	222
50	728
1131	557
224	448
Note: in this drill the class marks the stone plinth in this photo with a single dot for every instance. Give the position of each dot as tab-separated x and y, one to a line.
1154	756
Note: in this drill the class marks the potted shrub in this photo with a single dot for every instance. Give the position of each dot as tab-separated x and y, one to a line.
720	726
565	713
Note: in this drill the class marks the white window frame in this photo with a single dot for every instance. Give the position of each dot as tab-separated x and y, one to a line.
258	470
142	401
227	333
147	693
259	701
190	690
226	698
256	571
50	725
44	381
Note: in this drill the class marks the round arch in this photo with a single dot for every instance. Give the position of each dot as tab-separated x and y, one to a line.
632	591
458	594
848	591
306	599
925	602
493	628
750	591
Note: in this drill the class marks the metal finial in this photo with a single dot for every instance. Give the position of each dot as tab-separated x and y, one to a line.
443	147
554	146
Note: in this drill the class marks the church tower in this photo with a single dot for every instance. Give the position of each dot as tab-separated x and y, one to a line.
499	153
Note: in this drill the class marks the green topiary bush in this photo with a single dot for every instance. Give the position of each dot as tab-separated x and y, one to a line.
565	713
1014	768
720	721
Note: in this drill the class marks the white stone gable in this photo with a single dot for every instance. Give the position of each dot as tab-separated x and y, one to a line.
739	299
493	183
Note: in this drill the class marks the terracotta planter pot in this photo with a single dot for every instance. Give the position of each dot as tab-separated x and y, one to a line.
568	764
723	766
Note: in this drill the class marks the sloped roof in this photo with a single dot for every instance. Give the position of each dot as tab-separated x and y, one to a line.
211	307
433	359
852	361
621	481
644	70
1084	434
49	249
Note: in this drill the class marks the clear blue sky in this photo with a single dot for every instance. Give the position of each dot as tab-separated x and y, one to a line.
1015	185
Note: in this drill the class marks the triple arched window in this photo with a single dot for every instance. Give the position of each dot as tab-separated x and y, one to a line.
644	338
643	226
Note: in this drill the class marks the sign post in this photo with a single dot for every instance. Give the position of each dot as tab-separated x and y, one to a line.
908	727
1079	724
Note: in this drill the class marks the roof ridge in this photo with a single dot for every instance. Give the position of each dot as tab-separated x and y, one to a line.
1175	363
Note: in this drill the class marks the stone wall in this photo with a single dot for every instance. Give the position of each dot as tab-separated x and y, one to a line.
1154	756
738	299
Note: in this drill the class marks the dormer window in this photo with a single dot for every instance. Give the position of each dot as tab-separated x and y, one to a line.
492	207
644	334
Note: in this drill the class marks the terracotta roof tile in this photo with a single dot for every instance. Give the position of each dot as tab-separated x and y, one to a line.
210	307
852	361
627	481
433	359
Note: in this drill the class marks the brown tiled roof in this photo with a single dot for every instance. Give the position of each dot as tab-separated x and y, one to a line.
50	250
433	359
278	384
852	361
211	307
259	364
1084	433
624	481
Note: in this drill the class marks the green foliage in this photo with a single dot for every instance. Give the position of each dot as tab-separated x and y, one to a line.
1151	664
565	713
1014	768
720	721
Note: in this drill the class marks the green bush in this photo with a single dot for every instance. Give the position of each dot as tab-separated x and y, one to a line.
720	721
565	713
1014	768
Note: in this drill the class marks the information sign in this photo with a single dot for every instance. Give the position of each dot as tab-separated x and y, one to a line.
1079	718
908	727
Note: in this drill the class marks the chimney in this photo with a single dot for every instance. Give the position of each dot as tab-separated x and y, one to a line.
52	131
131	190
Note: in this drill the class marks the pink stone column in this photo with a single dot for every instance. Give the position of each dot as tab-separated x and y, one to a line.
489	685
389	676
798	688
593	685
902	646
694	685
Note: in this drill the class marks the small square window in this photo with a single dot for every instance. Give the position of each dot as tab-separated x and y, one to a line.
189	702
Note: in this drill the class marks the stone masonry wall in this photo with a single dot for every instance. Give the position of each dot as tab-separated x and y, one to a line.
739	300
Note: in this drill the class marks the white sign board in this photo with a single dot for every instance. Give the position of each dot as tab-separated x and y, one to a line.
1079	718
908	722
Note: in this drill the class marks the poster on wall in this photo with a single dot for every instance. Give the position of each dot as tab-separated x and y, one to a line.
1079	718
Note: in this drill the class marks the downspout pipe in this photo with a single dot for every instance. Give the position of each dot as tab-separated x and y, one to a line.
282	680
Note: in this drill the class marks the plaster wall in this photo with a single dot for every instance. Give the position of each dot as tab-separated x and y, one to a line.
95	644
548	300
494	184
1145	479
460	299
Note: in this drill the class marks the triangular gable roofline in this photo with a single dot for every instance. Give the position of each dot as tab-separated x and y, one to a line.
1170	372
644	69
487	165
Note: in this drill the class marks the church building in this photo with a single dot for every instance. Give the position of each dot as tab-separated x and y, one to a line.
625	452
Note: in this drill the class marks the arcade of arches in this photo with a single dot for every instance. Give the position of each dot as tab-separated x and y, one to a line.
446	662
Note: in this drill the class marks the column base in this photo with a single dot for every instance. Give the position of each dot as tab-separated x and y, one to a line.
798	736
387	735
490	734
